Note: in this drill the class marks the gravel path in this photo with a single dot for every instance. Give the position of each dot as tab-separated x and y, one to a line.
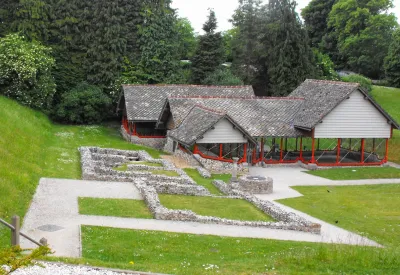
64	269
54	215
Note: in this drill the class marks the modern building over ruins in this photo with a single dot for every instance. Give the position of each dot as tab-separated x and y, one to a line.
323	123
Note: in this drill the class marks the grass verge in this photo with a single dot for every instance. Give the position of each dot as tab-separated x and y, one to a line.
357	173
370	210
207	183
164	173
114	207
32	147
175	253
234	209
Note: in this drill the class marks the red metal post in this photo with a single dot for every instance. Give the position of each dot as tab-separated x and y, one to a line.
339	141
262	149
254	156
387	151
245	152
281	157
362	150
220	150
301	148
313	150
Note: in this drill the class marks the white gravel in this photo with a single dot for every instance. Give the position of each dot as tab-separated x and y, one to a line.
62	269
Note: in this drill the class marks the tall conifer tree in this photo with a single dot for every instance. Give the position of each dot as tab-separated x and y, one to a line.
210	51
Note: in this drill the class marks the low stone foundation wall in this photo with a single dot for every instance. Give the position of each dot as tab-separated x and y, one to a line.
220	166
157	143
290	222
254	185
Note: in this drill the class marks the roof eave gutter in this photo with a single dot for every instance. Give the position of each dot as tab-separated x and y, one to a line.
303	128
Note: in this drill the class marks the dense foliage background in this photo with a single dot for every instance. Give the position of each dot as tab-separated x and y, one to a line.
70	57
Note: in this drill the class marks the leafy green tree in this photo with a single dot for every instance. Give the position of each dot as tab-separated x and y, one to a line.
316	19
210	51
290	59
392	61
247	53
186	38
363	30
158	43
85	104
325	66
25	71
229	36
222	77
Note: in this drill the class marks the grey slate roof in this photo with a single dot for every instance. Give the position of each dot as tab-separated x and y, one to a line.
145	102
321	97
197	122
257	116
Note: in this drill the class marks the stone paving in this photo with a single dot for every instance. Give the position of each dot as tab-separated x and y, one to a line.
55	210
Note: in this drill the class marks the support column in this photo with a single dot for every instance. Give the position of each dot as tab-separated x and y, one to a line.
338	150
220	150
387	151
313	150
362	150
301	148
134	129
281	153
195	149
245	152
373	145
262	149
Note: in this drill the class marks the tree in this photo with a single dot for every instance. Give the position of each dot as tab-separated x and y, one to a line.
392	61
316	20
25	71
186	38
85	104
222	77
363	31
210	51
289	59
228	37
158	44
325	66
246	44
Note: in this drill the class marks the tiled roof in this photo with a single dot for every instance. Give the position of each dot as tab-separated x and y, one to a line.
197	122
145	102
321	97
257	116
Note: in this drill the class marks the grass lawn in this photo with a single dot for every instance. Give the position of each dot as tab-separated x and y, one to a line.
370	210
32	147
164	173
114	207
175	253
389	99
357	173
218	207
207	183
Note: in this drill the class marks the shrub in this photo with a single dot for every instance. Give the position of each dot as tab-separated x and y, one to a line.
365	82
25	71
85	104
326	68
222	77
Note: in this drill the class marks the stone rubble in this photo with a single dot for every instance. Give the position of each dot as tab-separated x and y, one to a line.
97	164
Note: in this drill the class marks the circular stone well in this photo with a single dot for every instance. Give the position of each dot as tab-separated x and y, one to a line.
254	184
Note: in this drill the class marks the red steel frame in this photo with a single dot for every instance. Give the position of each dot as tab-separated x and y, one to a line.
220	157
126	123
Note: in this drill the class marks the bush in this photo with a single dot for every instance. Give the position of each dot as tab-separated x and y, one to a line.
365	82
85	104
326	68
25	72
222	77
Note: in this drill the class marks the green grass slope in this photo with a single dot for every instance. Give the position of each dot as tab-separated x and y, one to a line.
389	99
32	147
